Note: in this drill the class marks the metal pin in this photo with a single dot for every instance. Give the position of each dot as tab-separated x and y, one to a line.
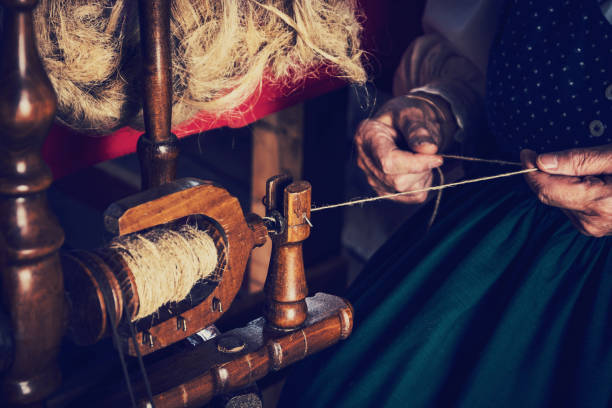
216	305
181	323
147	339
307	221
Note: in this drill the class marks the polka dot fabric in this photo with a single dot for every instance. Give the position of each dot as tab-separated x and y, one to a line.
549	80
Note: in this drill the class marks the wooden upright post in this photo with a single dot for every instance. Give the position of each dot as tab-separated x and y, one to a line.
285	287
158	147
277	148
32	286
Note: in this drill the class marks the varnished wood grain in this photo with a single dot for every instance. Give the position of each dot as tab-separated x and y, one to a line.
158	147
285	287
329	321
190	378
32	286
277	147
235	239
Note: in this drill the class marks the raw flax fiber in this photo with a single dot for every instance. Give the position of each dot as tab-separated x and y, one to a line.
221	53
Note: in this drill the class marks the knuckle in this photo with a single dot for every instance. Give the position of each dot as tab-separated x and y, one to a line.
366	131
387	163
593	230
543	197
575	158
361	164
602	211
420	197
362	129
398	184
580	160
605	210
374	183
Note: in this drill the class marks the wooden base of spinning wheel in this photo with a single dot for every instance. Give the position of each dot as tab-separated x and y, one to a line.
237	358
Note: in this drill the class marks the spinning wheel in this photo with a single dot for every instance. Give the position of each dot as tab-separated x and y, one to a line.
90	295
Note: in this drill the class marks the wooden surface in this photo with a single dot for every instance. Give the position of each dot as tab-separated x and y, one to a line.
32	287
277	148
285	287
158	147
178	201
191	377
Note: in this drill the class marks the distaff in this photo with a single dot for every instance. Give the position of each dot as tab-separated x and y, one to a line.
568	180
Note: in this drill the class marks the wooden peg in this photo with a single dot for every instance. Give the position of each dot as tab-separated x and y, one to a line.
32	286
285	286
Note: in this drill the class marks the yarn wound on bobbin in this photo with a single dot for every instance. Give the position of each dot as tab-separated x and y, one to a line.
166	264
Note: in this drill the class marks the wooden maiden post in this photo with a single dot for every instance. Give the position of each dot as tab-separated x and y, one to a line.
158	147
32	286
285	287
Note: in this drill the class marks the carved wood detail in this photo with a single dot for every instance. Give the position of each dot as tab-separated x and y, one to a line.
32	285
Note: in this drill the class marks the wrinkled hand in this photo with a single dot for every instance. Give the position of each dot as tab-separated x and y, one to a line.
579	181
390	169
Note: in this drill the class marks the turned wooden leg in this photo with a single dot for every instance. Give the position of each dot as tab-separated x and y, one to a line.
32	286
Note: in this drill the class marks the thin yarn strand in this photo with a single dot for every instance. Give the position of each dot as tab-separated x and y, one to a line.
421	190
434	213
478	159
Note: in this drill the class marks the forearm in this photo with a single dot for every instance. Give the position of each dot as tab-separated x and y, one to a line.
430	58
432	67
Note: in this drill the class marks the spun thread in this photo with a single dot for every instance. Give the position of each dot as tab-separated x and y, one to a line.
166	264
435	188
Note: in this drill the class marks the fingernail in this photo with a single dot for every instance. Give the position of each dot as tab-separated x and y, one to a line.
436	163
548	161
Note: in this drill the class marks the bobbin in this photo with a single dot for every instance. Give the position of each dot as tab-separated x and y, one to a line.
99	282
293	326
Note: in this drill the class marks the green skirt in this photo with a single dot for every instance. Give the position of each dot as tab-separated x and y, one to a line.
503	303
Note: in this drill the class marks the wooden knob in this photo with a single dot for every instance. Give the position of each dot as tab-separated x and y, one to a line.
260	232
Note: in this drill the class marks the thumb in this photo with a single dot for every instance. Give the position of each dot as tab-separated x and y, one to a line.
577	162
420	140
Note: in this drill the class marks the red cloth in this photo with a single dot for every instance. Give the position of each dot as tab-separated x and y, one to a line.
389	27
66	150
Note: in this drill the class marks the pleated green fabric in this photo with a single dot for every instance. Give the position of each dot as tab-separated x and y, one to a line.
503	303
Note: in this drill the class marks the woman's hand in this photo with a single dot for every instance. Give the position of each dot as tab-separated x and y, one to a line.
579	181
419	122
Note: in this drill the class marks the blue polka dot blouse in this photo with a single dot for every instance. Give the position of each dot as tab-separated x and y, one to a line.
549	80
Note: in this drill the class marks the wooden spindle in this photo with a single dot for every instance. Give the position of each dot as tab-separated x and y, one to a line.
158	147
32	286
